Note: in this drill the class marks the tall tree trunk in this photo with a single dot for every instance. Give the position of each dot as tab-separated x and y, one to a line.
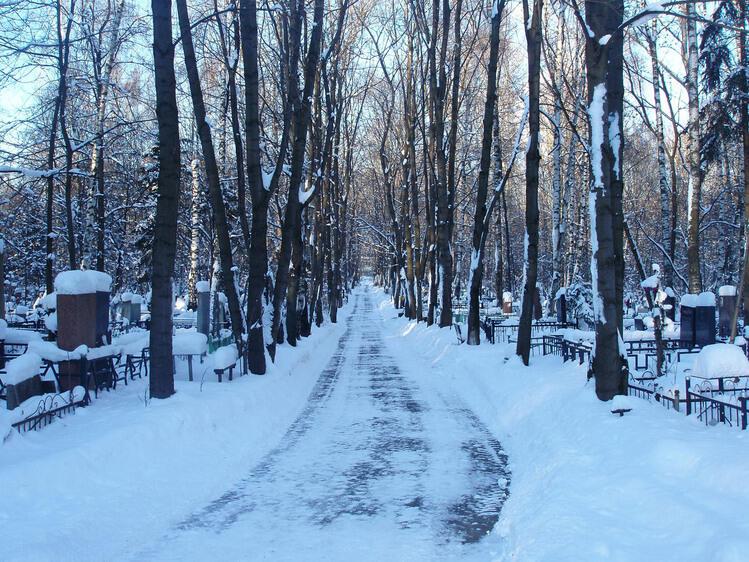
292	215
259	276
212	175
604	71
481	219
532	161
165	231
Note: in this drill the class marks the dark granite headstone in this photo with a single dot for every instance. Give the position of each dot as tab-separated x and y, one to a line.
726	308
704	321
18	393
687	325
562	309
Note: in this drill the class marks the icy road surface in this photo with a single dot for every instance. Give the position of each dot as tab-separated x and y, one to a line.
379	465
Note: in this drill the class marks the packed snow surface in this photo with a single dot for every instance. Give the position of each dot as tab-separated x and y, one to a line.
377	439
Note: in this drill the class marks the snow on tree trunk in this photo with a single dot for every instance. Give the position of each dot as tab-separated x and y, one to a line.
604	68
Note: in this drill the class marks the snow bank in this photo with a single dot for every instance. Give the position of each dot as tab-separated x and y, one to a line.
189	343
721	360
22	368
82	282
588	485
147	464
3	328
202	286
225	357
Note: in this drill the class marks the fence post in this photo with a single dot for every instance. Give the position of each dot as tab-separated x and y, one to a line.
676	399
742	401
689	400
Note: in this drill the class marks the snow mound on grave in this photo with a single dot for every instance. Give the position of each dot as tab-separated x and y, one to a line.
187	342
202	286
225	357
22	368
79	282
721	360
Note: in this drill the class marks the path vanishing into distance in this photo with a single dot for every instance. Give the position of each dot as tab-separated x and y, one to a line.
380	465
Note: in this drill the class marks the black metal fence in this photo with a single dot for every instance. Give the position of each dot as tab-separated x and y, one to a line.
50	408
718	400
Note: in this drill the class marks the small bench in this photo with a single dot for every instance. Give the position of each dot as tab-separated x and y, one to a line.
220	372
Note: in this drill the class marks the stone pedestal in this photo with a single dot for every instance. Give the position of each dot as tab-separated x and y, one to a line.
727	300
135	309
687	314
204	307
507	302
704	320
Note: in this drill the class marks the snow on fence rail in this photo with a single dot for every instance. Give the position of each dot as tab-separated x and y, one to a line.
713	399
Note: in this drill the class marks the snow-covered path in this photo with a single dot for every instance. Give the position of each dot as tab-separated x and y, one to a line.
379	465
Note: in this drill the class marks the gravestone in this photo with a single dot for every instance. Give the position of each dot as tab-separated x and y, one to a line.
538	310
561	307
204	306
687	307
726	307
103	288
670	300
704	319
76	319
135	309
507	302
125	306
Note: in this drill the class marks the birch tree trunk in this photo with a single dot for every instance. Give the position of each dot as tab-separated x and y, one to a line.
694	195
